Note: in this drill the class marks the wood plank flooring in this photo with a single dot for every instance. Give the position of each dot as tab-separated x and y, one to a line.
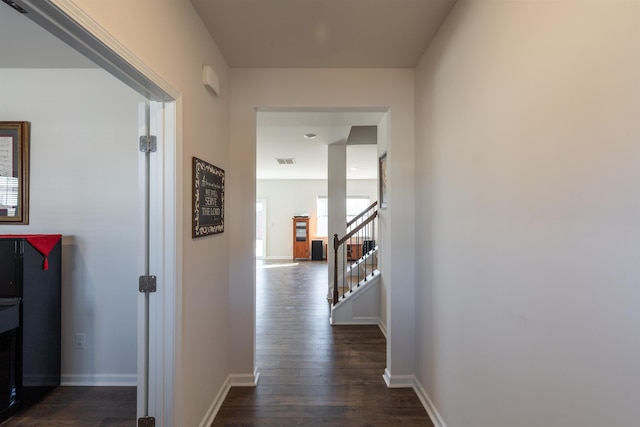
313	374
80	407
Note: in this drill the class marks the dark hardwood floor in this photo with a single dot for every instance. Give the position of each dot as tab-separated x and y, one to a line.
80	407
313	374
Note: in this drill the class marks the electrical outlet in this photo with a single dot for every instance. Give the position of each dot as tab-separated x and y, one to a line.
80	340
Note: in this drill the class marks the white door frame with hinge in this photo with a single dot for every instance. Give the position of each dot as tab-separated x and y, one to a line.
69	23
162	264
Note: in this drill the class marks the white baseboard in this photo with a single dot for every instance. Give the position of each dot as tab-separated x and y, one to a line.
233	380
362	320
276	257
216	404
397	381
99	380
244	380
383	328
410	381
431	409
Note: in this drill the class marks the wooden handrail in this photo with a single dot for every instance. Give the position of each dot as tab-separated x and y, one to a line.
354	231
361	214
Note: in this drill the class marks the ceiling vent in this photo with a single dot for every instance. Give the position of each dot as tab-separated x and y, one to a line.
288	161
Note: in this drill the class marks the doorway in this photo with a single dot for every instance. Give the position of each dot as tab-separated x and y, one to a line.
84	173
113	205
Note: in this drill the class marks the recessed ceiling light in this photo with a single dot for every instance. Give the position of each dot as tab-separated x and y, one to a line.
310	135
354	168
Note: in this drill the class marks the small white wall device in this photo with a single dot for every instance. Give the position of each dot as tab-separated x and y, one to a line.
210	80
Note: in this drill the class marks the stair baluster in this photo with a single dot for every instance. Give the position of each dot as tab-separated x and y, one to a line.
360	238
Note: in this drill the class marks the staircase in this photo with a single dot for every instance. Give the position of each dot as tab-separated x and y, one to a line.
356	281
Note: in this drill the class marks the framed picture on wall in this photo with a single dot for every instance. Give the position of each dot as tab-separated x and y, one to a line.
14	172
208	199
382	180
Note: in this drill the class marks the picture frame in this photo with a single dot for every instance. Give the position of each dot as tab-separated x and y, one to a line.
14	172
208	199
382	180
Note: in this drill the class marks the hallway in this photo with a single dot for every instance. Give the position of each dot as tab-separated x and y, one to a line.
313	374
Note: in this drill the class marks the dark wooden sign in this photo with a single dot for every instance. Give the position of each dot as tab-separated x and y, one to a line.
208	199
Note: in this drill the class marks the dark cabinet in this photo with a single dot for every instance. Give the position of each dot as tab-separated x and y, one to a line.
317	252
30	319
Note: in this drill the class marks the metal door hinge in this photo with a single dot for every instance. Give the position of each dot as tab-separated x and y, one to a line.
147	284
146	422
148	144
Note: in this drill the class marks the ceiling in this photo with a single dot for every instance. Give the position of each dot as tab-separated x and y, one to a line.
327	34
281	34
280	134
323	33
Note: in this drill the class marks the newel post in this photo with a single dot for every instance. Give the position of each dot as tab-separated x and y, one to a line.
335	268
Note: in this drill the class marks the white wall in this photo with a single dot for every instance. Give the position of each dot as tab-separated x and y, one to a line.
383	260
363	187
286	198
386	90
83	185
175	44
528	183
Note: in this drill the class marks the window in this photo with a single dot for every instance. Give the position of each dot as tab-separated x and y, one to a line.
355	205
322	212
8	195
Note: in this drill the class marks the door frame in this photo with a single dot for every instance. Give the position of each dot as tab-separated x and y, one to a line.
71	24
264	228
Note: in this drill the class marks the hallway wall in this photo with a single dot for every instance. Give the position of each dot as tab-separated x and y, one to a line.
328	89
528	178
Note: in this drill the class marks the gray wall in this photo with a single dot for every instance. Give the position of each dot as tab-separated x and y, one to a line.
528	187
84	185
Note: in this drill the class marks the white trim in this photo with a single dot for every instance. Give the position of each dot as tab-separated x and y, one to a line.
362	320
102	380
244	380
172	263
141	324
410	381
264	227
163	259
216	404
397	381
431	409
358	291
69	8
233	380
383	328
342	313
279	257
